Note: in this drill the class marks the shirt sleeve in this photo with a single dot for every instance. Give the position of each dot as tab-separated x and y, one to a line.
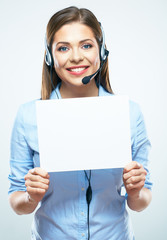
141	144
21	155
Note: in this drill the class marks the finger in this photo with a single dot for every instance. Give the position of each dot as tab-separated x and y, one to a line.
134	172
32	190
39	171
136	186
40	185
135	179
36	178
131	166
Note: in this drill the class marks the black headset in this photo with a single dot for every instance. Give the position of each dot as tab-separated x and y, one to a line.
103	51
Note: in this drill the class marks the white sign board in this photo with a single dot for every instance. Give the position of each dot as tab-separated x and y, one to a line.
84	133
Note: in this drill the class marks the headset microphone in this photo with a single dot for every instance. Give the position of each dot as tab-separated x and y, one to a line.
87	79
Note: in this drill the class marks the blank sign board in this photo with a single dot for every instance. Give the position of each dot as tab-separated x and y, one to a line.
84	133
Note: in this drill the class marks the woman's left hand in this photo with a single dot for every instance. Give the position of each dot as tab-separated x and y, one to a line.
134	176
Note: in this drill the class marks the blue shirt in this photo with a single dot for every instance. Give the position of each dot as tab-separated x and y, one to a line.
62	213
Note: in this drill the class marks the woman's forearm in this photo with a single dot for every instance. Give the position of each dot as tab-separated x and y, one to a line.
22	203
140	202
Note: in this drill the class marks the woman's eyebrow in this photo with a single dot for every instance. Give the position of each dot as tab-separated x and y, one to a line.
88	39
65	43
68	43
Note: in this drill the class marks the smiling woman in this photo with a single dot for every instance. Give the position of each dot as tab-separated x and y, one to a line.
74	55
78	204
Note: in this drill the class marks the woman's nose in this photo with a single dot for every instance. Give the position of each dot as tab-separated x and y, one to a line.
76	55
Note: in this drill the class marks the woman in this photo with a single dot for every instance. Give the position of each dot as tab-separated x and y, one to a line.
78	204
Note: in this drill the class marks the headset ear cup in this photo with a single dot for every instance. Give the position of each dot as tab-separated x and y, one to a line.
48	56
103	51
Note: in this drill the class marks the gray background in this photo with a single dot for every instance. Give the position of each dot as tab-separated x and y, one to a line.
136	35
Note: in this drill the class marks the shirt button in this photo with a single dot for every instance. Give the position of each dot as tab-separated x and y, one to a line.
82	188
82	213
83	234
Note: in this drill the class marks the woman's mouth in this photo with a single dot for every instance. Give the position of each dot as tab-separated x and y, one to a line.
77	70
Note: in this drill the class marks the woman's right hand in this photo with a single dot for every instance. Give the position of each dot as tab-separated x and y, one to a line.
37	183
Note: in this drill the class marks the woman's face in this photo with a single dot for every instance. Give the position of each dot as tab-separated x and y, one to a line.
75	53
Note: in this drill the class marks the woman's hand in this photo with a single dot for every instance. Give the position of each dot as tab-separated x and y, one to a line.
134	176
37	183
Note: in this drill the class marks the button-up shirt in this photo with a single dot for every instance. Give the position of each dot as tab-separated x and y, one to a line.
63	212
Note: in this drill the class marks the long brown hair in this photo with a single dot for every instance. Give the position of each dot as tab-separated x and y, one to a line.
66	16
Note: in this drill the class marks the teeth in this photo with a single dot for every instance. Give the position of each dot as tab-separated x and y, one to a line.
76	69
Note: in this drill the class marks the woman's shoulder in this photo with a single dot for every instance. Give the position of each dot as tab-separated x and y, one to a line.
134	108
136	115
28	107
27	112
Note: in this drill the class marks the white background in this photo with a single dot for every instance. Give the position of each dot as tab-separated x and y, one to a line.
136	35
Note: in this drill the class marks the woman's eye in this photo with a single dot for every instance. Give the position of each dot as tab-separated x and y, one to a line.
87	46
62	49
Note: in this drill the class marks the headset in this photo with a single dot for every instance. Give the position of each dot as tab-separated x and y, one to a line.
103	51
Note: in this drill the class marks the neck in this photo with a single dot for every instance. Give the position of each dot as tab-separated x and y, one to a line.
70	91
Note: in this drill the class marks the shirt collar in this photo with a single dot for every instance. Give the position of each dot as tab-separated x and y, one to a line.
102	92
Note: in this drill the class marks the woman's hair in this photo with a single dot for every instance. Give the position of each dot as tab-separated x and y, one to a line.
59	19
